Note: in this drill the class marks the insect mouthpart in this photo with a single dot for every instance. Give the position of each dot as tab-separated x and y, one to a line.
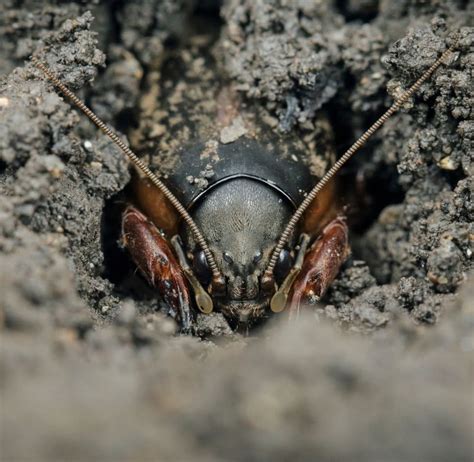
202	298
245	311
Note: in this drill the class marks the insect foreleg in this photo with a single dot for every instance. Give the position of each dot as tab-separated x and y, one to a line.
321	265
152	253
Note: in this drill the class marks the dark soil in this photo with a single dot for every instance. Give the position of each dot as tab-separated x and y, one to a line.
91	369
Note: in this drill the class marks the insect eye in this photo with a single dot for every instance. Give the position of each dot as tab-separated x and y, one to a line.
228	258
257	257
283	266
201	267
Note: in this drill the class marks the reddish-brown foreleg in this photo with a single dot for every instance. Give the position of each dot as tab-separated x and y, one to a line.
321	265
152	254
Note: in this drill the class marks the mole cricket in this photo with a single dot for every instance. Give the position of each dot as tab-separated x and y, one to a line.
263	236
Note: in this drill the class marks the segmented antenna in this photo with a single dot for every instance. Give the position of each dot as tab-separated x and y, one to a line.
217	276
267	279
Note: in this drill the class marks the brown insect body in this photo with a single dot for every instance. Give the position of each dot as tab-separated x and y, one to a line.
242	229
242	211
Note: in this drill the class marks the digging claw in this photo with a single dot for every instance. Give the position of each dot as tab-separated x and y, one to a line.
321	265
152	254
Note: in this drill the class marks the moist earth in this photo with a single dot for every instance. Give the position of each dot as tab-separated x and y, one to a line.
91	368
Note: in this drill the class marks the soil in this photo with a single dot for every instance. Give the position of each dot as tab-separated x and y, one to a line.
91	368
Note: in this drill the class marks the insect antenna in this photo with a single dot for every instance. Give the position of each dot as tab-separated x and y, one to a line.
218	279
267	279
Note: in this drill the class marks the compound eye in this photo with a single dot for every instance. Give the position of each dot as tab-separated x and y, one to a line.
283	266
201	267
228	258
257	257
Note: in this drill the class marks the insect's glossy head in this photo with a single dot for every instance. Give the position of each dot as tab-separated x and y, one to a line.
241	220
